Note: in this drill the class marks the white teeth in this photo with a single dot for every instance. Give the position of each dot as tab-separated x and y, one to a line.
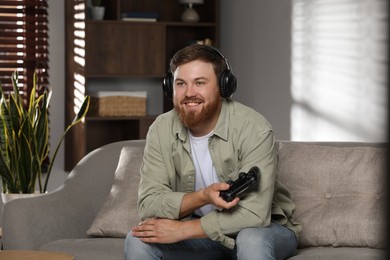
192	104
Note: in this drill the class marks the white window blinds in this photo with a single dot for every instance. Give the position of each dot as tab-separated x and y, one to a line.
339	70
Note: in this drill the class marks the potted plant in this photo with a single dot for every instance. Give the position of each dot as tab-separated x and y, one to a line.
97	10
24	138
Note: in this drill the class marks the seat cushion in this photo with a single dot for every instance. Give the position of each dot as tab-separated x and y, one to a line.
331	253
119	212
89	248
339	193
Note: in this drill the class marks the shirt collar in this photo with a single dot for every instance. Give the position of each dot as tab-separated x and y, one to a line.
222	128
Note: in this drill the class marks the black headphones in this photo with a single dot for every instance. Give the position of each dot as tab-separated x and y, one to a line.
227	81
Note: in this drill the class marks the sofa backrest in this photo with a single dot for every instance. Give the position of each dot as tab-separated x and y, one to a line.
338	189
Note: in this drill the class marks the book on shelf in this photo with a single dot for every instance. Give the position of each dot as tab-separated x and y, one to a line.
134	19
140	16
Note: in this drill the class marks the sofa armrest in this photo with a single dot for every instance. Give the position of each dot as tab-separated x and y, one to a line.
68	211
31	222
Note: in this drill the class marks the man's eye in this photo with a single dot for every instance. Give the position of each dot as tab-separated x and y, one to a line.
179	84
198	83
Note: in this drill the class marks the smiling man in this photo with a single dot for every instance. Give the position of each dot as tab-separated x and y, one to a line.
196	96
191	153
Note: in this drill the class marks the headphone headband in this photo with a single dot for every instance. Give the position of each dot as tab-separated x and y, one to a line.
222	56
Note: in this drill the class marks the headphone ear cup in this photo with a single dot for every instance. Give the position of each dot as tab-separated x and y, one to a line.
168	85
227	84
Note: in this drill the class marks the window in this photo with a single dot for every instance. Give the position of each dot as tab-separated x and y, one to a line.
24	43
339	70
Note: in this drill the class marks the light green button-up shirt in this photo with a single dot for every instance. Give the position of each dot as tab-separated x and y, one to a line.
243	138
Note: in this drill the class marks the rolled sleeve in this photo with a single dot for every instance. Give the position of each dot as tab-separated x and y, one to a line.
170	205
211	227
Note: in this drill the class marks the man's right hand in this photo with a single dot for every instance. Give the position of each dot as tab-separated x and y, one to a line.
212	196
209	195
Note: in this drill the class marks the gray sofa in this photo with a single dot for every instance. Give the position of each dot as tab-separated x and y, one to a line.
338	189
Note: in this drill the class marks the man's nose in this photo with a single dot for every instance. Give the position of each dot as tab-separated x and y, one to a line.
190	91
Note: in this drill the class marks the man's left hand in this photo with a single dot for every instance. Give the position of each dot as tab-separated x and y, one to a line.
167	231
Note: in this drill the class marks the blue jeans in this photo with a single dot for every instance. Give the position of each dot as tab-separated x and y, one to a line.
273	242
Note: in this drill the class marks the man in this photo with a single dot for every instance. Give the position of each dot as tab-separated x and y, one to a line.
190	154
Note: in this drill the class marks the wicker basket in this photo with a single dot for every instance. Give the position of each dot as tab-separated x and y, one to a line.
118	105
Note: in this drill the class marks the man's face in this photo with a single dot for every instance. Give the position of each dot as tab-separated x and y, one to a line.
196	95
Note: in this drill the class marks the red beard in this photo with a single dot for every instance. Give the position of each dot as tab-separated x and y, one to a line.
192	119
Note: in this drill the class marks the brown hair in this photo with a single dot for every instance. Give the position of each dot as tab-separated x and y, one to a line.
199	52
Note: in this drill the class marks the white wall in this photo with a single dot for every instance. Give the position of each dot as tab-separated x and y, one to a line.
57	82
255	38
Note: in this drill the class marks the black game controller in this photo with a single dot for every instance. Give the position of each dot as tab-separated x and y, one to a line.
244	181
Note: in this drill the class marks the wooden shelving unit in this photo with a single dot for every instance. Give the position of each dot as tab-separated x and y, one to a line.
113	48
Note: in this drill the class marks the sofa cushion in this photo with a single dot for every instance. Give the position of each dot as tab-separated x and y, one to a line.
344	253
338	191
119	212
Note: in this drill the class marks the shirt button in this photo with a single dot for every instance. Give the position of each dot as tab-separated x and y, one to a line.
328	195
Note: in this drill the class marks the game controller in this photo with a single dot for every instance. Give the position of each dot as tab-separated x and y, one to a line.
244	181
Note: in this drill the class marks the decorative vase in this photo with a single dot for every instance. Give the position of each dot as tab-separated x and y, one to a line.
190	15
6	197
97	12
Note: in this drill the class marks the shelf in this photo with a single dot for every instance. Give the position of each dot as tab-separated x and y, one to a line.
105	130
178	24
111	49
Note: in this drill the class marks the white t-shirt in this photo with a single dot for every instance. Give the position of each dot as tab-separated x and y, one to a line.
205	173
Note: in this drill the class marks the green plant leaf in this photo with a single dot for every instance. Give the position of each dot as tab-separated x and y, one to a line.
82	112
4	120
79	116
25	169
6	174
14	79
24	135
41	126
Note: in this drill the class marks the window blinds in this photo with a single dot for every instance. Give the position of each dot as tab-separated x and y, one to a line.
24	43
76	23
339	70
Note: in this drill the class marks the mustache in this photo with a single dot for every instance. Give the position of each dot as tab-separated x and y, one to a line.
192	99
